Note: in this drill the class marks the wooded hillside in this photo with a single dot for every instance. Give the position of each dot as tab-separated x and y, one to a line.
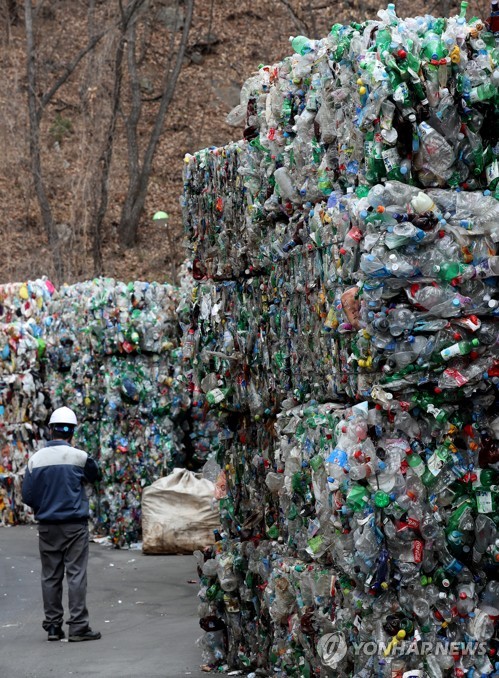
83	87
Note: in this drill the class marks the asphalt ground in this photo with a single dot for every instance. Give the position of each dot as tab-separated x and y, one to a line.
144	606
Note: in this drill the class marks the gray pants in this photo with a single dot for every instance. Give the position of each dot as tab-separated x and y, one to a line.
64	547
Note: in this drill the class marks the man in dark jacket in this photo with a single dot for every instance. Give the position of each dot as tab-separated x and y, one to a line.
54	488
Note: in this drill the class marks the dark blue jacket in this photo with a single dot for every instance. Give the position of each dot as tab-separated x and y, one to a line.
53	483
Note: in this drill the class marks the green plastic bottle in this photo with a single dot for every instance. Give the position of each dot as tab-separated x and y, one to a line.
286	111
343	46
382	499
461	348
449	270
485	478
492	174
434	465
483	92
273	532
315	543
357	498
316	462
486	491
434	48
301	45
383	40
459	527
442	579
323	183
416	464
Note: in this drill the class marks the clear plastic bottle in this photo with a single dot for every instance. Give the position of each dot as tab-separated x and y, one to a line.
437	154
485	534
400	320
286	186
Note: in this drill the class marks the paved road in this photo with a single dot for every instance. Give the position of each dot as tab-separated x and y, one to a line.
143	605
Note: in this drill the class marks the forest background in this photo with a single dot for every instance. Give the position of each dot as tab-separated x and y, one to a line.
101	99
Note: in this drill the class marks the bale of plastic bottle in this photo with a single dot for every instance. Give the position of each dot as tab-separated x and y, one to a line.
345	321
23	412
108	350
413	100
112	357
370	527
411	299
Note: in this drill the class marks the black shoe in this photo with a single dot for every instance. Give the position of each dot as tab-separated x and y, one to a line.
55	632
84	635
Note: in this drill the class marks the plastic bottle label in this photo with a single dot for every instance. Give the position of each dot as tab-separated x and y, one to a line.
417	551
492	171
355	234
391	158
484	502
456	376
450	352
215	396
436	461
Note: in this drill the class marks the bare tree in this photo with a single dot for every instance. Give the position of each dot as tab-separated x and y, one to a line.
37	103
297	20
12	12
35	113
127	28
139	170
124	101
117	96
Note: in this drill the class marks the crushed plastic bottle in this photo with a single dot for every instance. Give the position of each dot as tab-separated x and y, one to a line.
112	352
348	245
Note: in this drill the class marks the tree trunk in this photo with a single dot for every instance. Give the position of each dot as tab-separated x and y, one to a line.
13	12
105	160
34	145
138	182
128	16
299	23
35	108
445	7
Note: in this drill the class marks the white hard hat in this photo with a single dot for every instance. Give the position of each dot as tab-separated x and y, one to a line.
63	415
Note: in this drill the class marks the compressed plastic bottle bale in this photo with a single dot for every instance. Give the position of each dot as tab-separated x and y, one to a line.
364	105
351	244
395	493
108	350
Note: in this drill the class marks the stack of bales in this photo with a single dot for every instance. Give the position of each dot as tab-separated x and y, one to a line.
346	324
110	351
23	413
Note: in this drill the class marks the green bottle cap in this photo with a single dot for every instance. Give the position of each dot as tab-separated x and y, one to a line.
382	499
